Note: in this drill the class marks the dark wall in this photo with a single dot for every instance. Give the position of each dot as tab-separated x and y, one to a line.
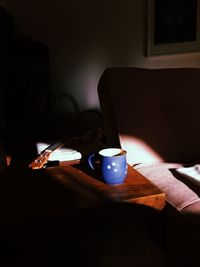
83	37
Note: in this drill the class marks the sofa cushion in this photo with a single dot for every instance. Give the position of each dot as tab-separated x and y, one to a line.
153	109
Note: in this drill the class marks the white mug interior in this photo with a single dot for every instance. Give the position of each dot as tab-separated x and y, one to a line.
112	152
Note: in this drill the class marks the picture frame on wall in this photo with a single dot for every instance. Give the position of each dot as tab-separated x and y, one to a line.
173	26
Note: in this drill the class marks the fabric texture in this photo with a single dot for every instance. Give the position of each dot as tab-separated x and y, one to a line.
178	194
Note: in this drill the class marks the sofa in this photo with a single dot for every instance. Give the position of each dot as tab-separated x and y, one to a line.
154	115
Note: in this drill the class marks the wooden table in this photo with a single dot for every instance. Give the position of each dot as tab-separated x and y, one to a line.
90	186
26	193
61	214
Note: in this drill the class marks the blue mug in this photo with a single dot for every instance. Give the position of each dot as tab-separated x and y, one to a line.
113	164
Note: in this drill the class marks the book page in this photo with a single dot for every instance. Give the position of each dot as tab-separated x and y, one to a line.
192	173
60	154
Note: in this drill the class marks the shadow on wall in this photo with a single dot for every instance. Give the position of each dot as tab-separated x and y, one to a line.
83	38
69	120
65	120
65	110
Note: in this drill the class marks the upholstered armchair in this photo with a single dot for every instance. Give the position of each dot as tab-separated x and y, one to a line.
154	114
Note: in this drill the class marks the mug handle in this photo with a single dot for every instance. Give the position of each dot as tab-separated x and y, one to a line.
91	159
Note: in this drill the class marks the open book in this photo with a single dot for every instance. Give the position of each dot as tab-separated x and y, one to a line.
59	151
192	173
60	154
